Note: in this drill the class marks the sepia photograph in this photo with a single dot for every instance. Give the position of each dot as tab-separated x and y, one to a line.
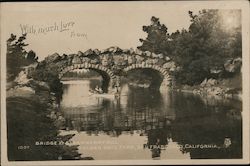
134	82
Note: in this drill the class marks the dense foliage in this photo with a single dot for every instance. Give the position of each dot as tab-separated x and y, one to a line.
202	50
157	39
17	56
49	76
28	117
28	123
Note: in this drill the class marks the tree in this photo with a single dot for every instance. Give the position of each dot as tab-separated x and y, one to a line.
17	56
29	117
205	47
31	56
49	75
157	39
202	50
29	123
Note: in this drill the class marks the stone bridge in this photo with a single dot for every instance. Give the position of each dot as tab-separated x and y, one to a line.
112	63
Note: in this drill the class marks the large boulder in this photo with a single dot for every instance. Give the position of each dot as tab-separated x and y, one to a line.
62	64
155	61
213	91
160	62
138	52
131	60
42	85
178	68
22	91
161	56
126	51
118	60
27	89
52	58
169	65
233	65
216	71
139	59
113	49
85	59
88	52
76	60
64	57
147	53
22	78
131	51
94	61
154	55
149	61
80	53
204	82
69	61
211	82
105	61
167	59
71	56
96	51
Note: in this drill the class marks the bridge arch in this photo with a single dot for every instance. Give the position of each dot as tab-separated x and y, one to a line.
109	78
165	79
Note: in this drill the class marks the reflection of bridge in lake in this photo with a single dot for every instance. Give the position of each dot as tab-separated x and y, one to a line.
108	122
113	63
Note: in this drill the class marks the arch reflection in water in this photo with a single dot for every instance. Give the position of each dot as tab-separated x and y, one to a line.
145	124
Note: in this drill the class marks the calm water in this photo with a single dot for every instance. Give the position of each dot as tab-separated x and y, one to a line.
144	124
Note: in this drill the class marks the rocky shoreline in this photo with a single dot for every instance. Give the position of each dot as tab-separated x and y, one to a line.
35	99
30	88
213	88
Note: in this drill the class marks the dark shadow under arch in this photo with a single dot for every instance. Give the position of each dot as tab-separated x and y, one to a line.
154	75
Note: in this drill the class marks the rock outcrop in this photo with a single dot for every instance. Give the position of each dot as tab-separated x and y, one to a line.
233	65
52	58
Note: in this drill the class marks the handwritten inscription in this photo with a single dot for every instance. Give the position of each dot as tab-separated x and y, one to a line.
76	34
55	27
61	26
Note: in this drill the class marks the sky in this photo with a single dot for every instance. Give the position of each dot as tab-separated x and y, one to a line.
72	27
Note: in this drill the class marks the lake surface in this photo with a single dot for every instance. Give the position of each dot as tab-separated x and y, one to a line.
148	124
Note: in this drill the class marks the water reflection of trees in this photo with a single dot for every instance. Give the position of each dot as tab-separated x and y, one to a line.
193	122
201	124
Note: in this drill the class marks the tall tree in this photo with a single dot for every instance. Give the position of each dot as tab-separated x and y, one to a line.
157	38
206	46
17	56
213	37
